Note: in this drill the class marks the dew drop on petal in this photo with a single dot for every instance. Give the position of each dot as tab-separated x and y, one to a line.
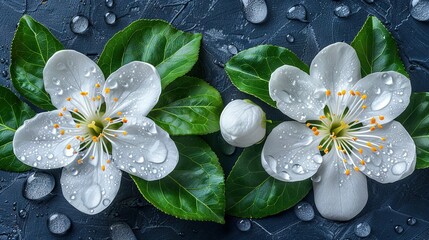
140	160
79	24
110	18
316	178
92	196
68	152
317	158
158	152
298	169
106	202
38	186
399	168
304	211
381	101
362	229
59	223
387	79
244	225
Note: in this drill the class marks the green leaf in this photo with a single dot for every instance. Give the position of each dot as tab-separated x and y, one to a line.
376	49
252	193
195	189
416	120
32	46
188	106
173	52
13	113
251	69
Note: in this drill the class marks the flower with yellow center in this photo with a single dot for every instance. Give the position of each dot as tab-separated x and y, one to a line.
344	130
99	129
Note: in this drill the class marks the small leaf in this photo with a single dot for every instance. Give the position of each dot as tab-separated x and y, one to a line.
32	46
188	106
252	193
13	113
251	69
195	189
376	49
171	51
416	120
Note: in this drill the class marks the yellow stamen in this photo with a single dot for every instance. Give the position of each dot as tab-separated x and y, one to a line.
79	161
372	121
68	99
308	124
381	147
125	133
124	120
98	97
107	90
115	99
373	149
326	151
322	117
344	160
328	93
352	93
56	125
319	147
62	132
60	114
78	125
316	133
347	172
362	162
364	107
97	85
103	168
68	146
119	113
356	169
83	93
372	129
383	139
92	157
343	92
108	161
64	109
360	150
314	129
108	119
94	139
75	110
380	126
381	117
363	97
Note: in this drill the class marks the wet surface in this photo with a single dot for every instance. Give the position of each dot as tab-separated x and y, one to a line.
223	24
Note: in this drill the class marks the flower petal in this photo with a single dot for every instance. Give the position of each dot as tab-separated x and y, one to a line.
38	142
290	152
387	94
146	151
297	95
133	90
337	66
396	160
88	188
67	74
336	195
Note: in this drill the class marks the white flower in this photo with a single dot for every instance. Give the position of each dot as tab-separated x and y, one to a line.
98	128
242	123
347	120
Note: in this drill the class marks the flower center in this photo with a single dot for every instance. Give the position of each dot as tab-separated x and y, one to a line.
95	128
341	131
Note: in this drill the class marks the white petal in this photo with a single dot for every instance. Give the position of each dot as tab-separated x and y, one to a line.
68	73
147	151
337	66
136	86
388	94
290	152
37	143
88	188
297	95
396	160
338	196
242	123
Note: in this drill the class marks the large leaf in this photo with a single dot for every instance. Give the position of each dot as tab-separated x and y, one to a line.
188	106
416	120
195	189
32	46
13	113
173	52
252	193
251	69
376	49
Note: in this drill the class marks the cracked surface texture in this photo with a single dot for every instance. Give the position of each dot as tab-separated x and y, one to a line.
222	24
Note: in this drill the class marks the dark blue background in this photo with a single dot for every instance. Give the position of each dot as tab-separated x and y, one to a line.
222	23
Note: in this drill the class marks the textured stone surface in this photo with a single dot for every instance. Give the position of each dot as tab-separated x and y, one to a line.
222	23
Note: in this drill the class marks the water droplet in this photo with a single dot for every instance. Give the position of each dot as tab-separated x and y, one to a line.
38	186
420	10
59	223
79	24
55	81
304	211
120	231
232	49
61	66
342	11
317	158
92	196
362	229
68	152
244	225
297	12
4	73
22	213
381	101
298	169
133	169
60	91
72	197
106	202
158	152
140	160
290	38
411	221
50	156
283	95
378	91
74	171
255	11
369	1
387	79
109	3
399	168
399	229
283	174
316	178
110	18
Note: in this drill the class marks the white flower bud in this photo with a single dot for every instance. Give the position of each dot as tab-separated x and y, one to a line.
242	123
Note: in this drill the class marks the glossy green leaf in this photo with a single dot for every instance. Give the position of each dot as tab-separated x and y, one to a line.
173	52
13	113
32	46
376	49
416	120
251	69
188	106
252	193
195	189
